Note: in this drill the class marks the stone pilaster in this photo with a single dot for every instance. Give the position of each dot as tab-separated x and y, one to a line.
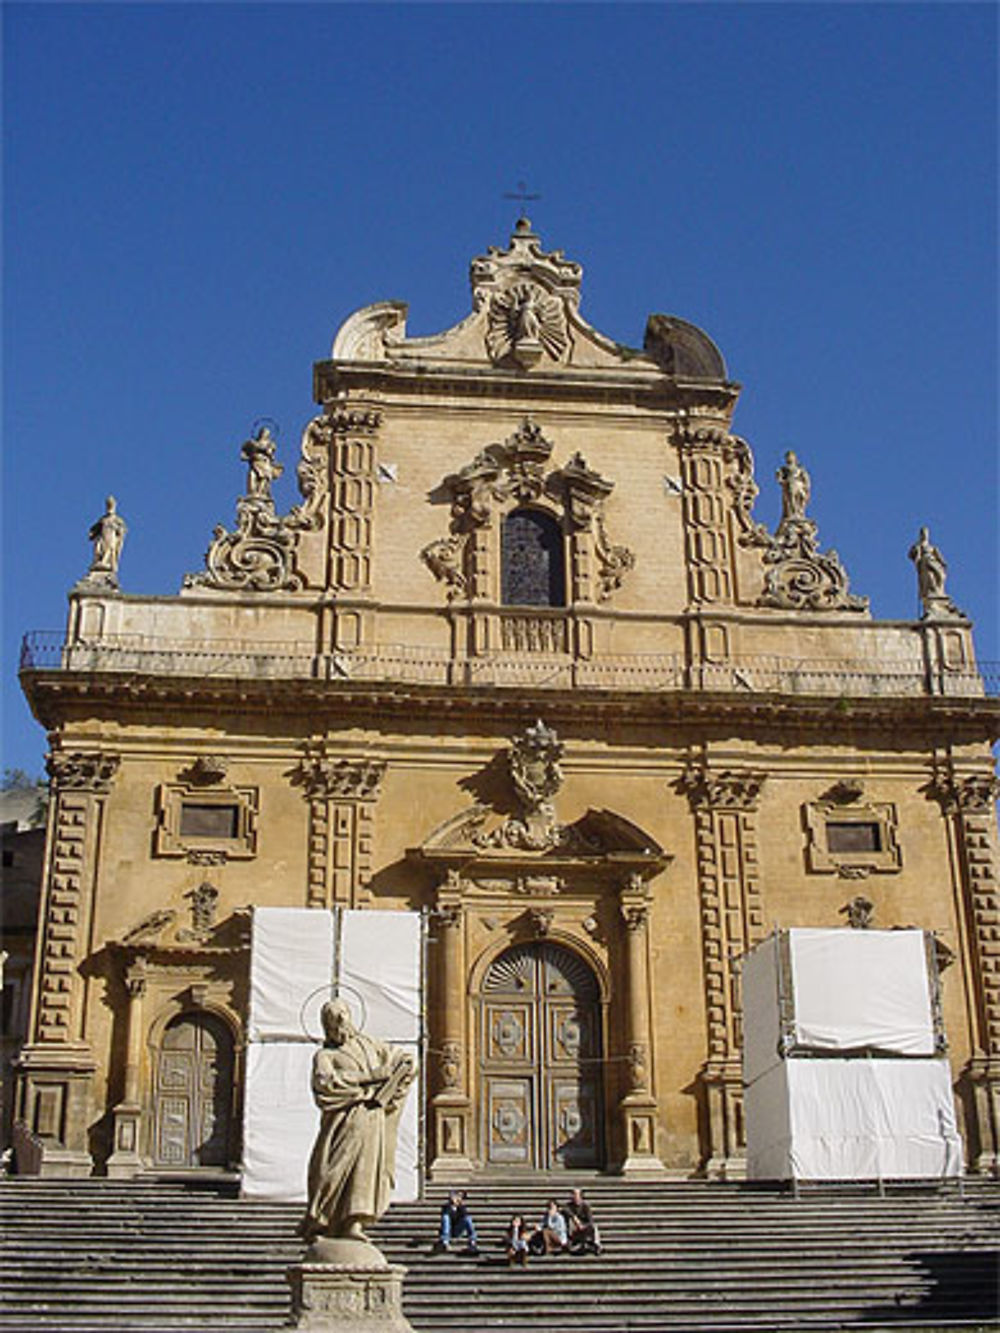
342	794
638	1107
57	1064
732	921
451	1107
705	472
353	485
970	803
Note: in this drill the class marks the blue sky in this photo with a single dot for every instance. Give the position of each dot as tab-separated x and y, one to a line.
197	195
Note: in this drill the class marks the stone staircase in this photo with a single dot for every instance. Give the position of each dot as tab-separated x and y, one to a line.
189	1254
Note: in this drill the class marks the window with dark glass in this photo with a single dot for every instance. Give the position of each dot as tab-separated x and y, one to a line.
209	821
534	566
853	836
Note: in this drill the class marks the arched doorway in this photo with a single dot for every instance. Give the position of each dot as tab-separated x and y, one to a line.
540	1050
193	1092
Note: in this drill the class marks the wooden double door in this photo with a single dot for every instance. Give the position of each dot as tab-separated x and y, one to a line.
193	1113
540	1048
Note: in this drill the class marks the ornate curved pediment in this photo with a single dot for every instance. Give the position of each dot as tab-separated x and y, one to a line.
518	847
478	839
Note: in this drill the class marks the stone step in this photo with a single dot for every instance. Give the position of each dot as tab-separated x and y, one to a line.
100	1256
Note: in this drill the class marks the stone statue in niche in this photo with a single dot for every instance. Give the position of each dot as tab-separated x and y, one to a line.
108	536
931	574
360	1086
524	322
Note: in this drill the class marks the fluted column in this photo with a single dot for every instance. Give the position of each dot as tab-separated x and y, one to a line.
638	1106
450	1106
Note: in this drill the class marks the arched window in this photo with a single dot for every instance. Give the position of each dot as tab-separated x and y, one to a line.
534	566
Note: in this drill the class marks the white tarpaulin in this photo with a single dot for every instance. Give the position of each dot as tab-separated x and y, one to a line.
380	966
280	1119
300	957
852	1119
837	990
291	963
861	988
761	978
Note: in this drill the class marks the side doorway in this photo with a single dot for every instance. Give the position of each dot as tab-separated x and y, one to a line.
194	1093
540	1052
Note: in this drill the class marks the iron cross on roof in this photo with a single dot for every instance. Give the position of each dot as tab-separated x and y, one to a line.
521	194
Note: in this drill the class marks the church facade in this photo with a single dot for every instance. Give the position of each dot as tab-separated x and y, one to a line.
520	659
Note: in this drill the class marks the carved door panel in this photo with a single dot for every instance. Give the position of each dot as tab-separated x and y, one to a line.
541	1044
194	1093
510	1120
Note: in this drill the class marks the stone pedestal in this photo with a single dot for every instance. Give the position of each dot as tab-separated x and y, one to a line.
347	1286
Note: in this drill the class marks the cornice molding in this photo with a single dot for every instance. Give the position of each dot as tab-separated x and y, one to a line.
54	695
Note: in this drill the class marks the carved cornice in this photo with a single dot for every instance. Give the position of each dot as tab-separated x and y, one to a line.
54	694
76	771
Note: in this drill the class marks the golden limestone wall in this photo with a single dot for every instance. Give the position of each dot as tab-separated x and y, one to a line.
633	786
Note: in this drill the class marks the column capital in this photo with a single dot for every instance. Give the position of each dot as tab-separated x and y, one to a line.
727	789
78	771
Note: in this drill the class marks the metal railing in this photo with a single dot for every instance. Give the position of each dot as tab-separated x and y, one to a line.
405	664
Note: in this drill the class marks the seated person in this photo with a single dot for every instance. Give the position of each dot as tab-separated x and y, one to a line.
550	1236
580	1224
516	1241
456	1221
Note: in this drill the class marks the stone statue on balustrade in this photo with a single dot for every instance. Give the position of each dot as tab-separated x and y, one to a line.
108	536
931	573
360	1086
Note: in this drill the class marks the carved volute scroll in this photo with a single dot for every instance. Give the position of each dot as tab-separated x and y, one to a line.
336	480
257	555
798	576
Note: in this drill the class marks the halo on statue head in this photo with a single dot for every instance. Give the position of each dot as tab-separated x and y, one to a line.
265	423
309	1019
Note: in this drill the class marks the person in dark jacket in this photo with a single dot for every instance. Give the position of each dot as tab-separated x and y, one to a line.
580	1224
456	1221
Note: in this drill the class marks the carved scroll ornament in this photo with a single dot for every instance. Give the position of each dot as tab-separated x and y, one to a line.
797	575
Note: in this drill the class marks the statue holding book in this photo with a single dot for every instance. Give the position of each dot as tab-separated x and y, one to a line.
360	1085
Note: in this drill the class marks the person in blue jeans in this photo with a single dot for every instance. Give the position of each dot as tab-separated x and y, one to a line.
456	1221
